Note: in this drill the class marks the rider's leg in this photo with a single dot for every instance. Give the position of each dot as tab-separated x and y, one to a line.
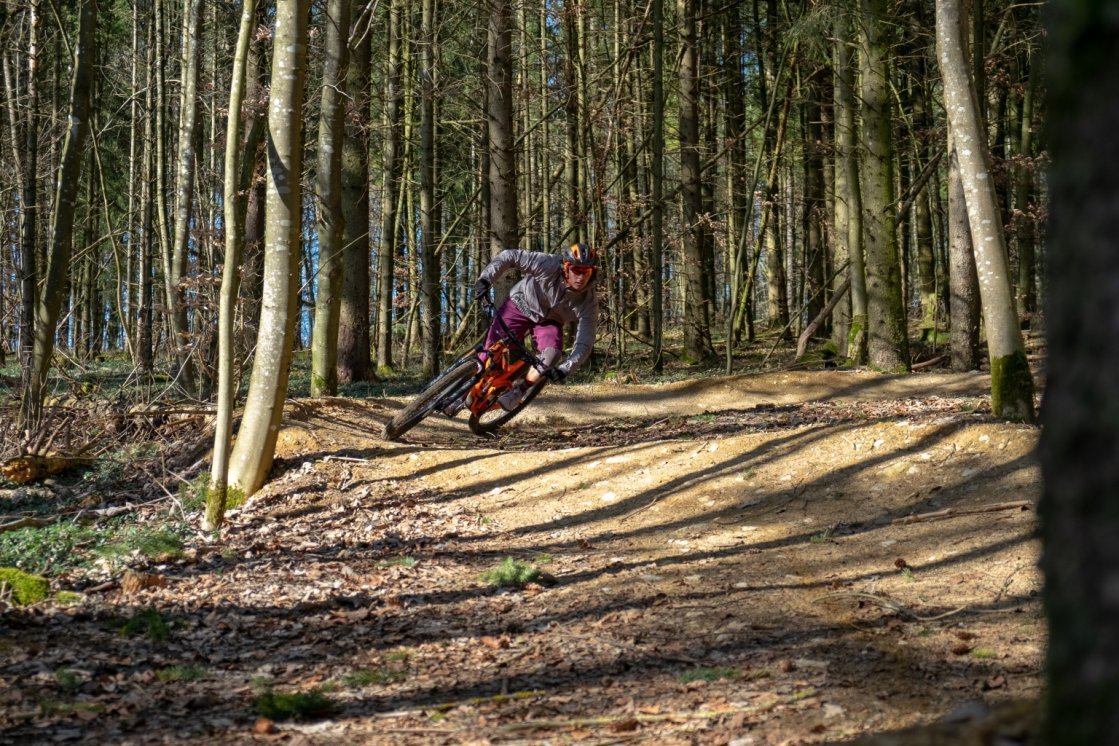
549	340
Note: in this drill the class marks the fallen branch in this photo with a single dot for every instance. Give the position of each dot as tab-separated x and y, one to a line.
890	604
954	512
25	522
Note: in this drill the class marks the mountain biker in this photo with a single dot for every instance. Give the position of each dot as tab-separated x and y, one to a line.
554	290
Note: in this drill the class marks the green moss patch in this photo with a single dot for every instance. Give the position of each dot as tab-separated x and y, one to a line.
26	588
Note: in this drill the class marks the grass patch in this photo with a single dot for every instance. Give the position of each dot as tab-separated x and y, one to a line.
67	680
276	705
984	653
512	573
398	562
374	676
181	673
159	544
822	537
148	622
705	673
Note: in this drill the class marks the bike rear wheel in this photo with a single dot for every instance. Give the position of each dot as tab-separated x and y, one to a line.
453	382
489	421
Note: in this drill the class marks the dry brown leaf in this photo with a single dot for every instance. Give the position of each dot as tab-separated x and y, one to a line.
134	582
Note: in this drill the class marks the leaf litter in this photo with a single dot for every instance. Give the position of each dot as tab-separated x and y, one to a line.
686	609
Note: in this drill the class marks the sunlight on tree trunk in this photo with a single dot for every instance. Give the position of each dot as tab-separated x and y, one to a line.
1012	388
264	406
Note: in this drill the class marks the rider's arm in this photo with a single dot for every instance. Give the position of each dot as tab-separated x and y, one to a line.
585	330
526	261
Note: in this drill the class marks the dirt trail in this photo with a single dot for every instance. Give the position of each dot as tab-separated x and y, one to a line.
782	559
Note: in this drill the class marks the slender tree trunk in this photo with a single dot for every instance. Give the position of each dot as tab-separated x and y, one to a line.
697	323
963	305
1012	389
429	202
234	220
848	203
256	441
504	226
60	246
392	165
328	194
29	212
656	157
175	260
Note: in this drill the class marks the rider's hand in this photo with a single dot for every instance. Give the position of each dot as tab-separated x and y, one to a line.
555	375
481	287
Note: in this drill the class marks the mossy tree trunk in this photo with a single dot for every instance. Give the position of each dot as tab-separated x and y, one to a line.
1012	388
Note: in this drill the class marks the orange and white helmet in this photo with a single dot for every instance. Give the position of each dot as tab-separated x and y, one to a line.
580	255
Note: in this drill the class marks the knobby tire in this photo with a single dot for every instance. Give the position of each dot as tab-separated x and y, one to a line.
487	426
450	382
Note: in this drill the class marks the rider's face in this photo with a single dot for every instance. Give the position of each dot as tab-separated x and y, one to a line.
577	277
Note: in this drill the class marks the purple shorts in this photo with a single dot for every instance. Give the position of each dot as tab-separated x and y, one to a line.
547	334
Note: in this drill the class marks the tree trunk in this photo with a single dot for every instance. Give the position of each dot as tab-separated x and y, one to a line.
963	304
256	441
392	164
887	344
697	323
60	246
656	158
1080	436
504	227
175	259
354	362
328	194
848	203
1012	385
234	220
429	202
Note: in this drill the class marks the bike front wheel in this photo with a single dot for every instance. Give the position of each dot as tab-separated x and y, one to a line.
489	421
453	382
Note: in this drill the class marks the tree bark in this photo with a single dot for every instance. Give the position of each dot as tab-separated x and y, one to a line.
60	247
392	165
354	361
504	226
887	343
233	201
1080	433
696	321
175	258
963	303
256	440
848	202
328	195
1012	388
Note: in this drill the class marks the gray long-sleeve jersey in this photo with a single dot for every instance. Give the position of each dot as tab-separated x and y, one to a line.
541	294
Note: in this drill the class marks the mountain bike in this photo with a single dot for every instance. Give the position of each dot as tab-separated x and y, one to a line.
475	382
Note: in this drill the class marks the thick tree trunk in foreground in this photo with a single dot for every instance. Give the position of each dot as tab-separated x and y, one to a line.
1080	440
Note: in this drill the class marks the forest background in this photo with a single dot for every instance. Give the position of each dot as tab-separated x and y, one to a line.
751	172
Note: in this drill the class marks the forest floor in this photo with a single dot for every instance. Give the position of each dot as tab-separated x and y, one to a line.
783	558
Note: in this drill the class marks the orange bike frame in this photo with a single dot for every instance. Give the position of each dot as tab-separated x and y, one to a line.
501	370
